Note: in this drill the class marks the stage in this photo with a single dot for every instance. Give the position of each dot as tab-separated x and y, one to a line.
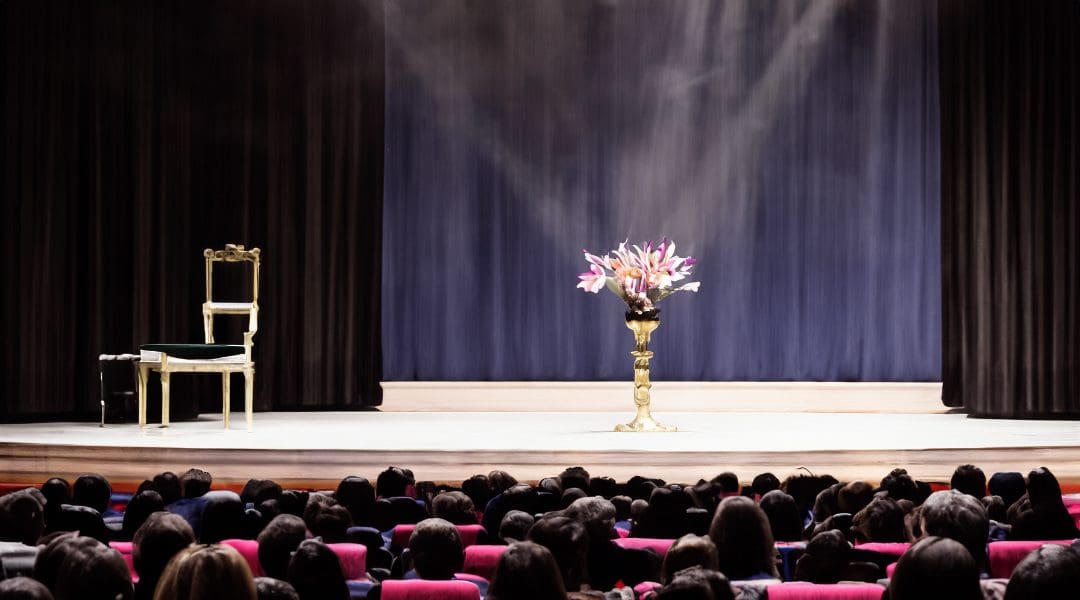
777	427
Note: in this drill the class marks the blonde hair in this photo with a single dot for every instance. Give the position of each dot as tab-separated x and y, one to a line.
206	572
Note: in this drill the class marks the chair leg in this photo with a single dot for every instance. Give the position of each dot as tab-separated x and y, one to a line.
140	383
164	398
249	395
226	397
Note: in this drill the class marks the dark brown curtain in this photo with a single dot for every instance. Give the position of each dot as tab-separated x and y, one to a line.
138	133
1010	126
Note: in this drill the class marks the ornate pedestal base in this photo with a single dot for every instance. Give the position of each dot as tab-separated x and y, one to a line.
642	324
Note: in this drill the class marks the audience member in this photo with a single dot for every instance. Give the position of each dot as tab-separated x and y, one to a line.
24	588
1047	518
22	517
357	495
575	477
436	550
154	544
608	562
880	521
568	542
331	523
515	526
391	483
854	496
826	557
268	588
697	583
206	572
257	491
1051	571
743	539
785	522
1009	485
277	541
526	571
92	490
168	485
78	567
763	484
936	568
57	492
969	480
194	483
900	486
690	551
139	508
315	572
958	516
222	517
455	507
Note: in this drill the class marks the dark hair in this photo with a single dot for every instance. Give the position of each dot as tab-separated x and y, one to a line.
805	489
257	491
392	483
168	485
764	483
57	491
728	482
622	507
785	522
575	477
689	551
603	486
526	571
221	516
455	507
568	542
515	525
315	572
358	496
854	496
478	489
970	480
697	583
139	508
881	521
277	541
331	523
571	495
435	546
1050	571
825	559
268	588
743	539
92	490
1009	485
957	516
206	572
825	504
24	588
84	568
195	483
1047	518
900	486
500	481
160	538
22	517
936	568
995	508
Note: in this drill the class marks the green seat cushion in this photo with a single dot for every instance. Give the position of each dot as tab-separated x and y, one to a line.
196	351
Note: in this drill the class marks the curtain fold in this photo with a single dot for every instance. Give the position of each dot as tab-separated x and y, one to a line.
139	133
1010	130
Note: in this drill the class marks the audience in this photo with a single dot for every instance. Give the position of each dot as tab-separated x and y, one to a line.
562	535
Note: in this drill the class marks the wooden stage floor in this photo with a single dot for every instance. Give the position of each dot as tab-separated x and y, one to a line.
319	448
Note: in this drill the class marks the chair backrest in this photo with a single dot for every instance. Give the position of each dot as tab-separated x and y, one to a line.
421	589
481	559
125	549
233	253
353	558
658	545
249	549
890	548
825	591
1004	556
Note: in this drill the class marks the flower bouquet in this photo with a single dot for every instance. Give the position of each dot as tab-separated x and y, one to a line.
641	276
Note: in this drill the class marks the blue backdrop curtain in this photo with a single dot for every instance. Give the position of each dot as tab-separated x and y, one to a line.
791	146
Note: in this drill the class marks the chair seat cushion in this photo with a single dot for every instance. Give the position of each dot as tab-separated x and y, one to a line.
152	352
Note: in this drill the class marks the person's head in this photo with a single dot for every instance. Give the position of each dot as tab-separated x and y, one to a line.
161	537
141	506
689	551
500	481
92	490
526	571
825	559
1043	488
331	523
436	549
826	504
571	495
995	508
603	486
854	496
957	516
697	583
268	588
728	482
358	496
315	572
1009	485
805	489
743	539
222	516
168	485
575	477
455	507
969	480
936	568
785	522
568	542
515	525
75	567
57	491
764	483
195	483
24	588
477	489
22	517
391	483
1051	571
206	572
257	491
881	521
598	516
277	541
900	486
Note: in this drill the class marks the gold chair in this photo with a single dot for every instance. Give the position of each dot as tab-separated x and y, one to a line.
209	357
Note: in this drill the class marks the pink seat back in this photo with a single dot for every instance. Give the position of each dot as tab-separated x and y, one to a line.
890	569
1074	512
482	559
890	548
469	533
126	549
353	558
249	549
1004	556
825	591
400	539
420	589
658	545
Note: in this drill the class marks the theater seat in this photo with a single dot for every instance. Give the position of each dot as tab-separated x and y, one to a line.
125	549
353	558
1004	556
890	548
658	545
249	549
421	589
825	591
482	559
